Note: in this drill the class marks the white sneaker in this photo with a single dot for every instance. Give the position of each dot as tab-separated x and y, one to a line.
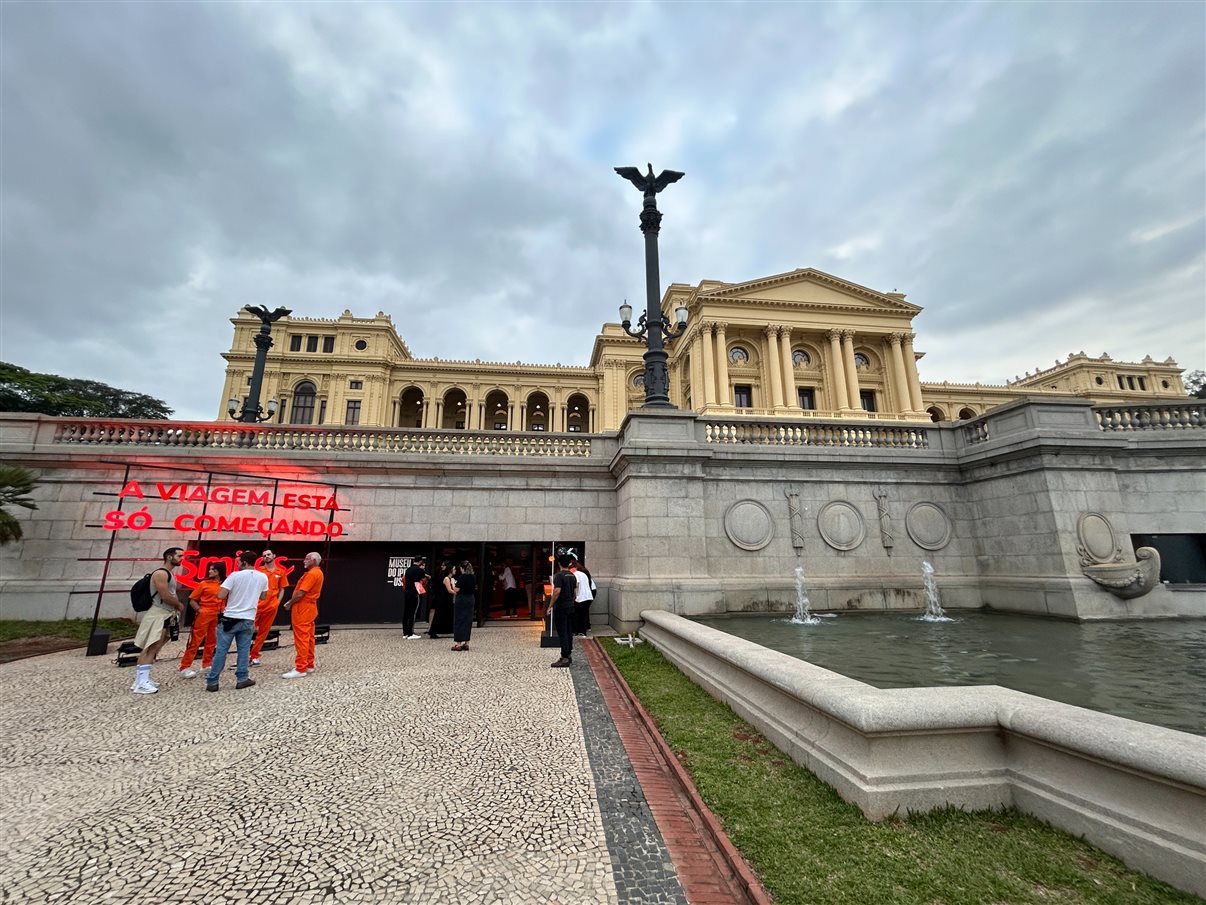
293	674
412	637
188	673
255	662
144	688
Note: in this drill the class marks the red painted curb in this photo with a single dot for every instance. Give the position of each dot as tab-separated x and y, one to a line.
744	873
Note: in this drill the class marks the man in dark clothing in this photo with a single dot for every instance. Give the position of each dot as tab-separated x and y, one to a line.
410	596
565	587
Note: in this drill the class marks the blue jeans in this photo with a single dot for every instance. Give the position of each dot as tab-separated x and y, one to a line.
242	635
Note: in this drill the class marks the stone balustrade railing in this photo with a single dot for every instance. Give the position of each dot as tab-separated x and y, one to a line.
201	435
1160	416
767	433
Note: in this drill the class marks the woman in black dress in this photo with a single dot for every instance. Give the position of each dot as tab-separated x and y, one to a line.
440	618
462	583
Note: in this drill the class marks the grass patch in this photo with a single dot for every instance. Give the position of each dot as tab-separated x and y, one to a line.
810	847
71	629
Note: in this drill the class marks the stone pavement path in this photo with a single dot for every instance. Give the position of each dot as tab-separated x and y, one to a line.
400	772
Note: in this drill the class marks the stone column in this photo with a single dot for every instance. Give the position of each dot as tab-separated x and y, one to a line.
910	363
851	370
591	423
393	415
899	378
523	416
723	396
439	414
774	370
697	390
790	399
837	371
709	367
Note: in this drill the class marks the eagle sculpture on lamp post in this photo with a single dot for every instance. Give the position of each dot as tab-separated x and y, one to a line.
653	327
252	412
649	184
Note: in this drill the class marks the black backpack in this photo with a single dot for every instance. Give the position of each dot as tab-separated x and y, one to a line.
143	593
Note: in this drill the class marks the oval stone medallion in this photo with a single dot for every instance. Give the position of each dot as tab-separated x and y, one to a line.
1097	540
841	525
749	525
928	525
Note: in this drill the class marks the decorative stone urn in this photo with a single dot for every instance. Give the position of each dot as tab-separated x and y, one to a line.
1127	579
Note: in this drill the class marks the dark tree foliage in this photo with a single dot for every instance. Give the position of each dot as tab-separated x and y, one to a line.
50	394
1195	384
16	484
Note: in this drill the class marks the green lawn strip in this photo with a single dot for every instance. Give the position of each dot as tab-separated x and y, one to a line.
809	846
74	629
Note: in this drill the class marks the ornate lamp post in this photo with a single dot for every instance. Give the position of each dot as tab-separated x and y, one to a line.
652	327
253	412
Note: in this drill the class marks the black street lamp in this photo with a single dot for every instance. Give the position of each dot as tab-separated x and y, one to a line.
652	327
253	412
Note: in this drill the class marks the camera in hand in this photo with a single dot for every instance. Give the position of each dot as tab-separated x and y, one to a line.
173	627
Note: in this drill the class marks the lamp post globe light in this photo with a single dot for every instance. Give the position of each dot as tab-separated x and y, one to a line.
253	412
652	327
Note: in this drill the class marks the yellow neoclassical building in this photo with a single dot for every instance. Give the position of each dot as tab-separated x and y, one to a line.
795	345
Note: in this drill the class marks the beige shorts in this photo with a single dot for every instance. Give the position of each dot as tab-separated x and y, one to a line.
151	628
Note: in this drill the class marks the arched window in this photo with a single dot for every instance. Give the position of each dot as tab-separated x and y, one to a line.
739	356
966	413
935	414
861	360
303	403
800	358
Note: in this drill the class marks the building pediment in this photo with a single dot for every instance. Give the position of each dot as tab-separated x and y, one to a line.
809	287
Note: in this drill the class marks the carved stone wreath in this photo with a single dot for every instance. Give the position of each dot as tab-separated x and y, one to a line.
841	525
749	525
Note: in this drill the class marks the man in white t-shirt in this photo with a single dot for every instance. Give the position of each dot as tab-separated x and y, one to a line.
242	590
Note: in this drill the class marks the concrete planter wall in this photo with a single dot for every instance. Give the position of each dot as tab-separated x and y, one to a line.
1136	791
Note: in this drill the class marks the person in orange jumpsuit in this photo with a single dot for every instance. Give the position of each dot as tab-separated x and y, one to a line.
265	613
303	606
206	608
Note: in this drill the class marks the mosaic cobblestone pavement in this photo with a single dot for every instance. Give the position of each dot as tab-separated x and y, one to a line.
399	772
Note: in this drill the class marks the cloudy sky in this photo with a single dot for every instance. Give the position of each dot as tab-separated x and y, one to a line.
1033	175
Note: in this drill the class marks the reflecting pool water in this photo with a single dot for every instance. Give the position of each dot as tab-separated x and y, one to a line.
1149	671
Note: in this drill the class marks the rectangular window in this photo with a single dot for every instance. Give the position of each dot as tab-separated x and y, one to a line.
866	398
1121	383
460	425
311	343
537	426
295	343
328	344
743	396
1142	384
807	397
356	385
353	416
303	409
500	425
1130	382
322	412
1182	556
249	381
575	428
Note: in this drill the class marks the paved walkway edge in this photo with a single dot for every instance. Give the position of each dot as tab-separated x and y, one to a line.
742	873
